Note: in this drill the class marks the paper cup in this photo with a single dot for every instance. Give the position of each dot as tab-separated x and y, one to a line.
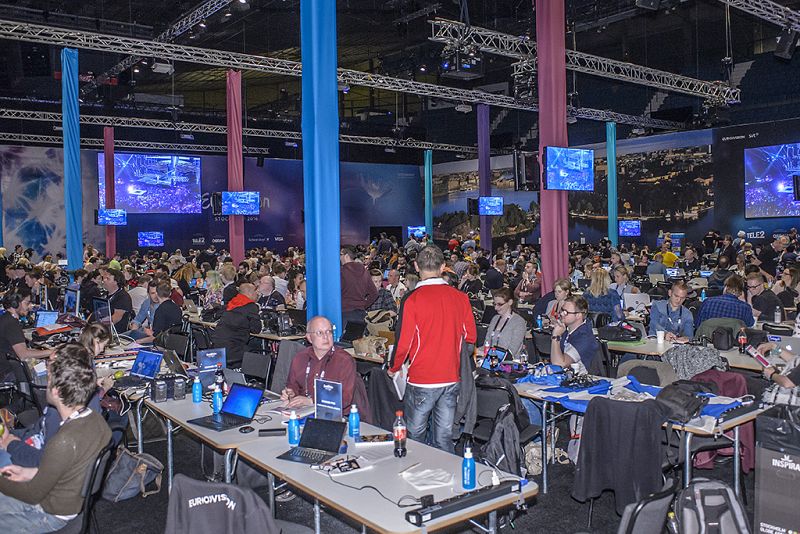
660	336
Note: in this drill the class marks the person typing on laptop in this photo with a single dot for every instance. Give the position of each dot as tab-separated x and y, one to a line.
321	360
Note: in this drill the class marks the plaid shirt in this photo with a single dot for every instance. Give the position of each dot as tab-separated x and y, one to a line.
726	305
385	301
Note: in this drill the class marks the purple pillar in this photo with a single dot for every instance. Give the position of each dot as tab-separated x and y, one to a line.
484	173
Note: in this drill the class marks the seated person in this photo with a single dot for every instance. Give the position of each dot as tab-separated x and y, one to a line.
622	282
167	314
529	288
722	272
731	304
385	300
118	299
573	341
269	298
507	328
143	321
470	282
671	317
656	266
240	319
561	290
17	303
762	300
690	262
45	498
787	379
321	360
787	288
601	298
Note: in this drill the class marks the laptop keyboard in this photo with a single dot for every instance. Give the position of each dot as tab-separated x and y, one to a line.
307	453
129	382
226	419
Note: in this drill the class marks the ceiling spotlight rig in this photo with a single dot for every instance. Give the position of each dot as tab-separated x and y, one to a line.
461	61
523	75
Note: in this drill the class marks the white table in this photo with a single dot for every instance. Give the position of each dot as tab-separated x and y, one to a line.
366	506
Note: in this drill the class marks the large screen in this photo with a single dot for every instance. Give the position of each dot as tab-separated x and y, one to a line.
112	217
153	183
416	231
569	169
769	181
490	205
630	228
151	239
241	202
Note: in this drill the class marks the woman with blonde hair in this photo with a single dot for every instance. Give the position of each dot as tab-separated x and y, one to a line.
213	284
561	290
600	296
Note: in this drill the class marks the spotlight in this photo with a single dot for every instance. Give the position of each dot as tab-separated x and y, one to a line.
202	23
390	150
291	144
136	69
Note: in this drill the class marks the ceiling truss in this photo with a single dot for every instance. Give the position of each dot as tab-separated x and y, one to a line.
770	11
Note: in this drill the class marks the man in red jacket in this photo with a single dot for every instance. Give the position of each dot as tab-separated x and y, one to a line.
435	320
358	291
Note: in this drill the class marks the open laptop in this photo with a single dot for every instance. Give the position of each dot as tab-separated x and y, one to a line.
145	368
636	301
352	330
238	409
320	441
656	278
46	318
298	317
207	363
174	364
190	306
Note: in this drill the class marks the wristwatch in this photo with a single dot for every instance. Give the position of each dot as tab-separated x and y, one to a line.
555	338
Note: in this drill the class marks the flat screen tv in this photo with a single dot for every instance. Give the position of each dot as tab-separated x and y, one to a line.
490	205
630	228
113	217
151	239
416	231
568	169
241	202
153	183
770	178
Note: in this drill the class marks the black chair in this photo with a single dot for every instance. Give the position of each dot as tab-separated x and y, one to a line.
32	396
179	342
85	521
490	401
604	360
649	514
541	343
256	366
599	319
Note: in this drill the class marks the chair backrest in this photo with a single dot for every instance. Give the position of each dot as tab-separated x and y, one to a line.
25	384
599	319
601	363
93	483
490	400
649	514
662	371
178	341
541	342
286	352
257	365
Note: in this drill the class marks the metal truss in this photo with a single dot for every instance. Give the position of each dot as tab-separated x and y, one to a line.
769	11
108	43
493	42
188	127
140	145
424	12
184	24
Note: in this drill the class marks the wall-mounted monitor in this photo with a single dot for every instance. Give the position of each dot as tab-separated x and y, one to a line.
490	205
568	169
151	239
770	181
113	217
416	231
241	202
630	228
154	183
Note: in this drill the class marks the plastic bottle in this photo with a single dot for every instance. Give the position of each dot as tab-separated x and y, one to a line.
703	295
486	345
354	422
468	470
778	315
539	322
216	400
672	523
399	431
742	340
219	377
294	429
197	390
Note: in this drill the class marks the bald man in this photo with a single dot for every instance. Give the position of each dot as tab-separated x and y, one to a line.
321	360
239	320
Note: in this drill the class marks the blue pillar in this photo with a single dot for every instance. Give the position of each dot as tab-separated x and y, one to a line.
611	154
320	125
429	193
70	121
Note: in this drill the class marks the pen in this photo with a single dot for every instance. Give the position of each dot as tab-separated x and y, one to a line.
410	467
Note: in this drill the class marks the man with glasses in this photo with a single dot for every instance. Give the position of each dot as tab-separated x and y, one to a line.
321	360
573	340
762	300
731	304
671	316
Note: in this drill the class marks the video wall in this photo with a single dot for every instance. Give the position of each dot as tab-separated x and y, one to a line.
769	175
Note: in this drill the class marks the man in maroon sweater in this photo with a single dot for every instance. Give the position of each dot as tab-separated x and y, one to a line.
435	320
358	291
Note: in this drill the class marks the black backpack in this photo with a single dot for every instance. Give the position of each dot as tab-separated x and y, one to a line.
722	338
680	402
619	332
709	507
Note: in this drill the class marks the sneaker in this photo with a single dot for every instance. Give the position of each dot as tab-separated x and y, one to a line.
285	496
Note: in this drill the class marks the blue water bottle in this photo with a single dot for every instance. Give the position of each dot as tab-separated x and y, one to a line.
216	400
354	422
197	390
294	429
703	295
468	470
539	322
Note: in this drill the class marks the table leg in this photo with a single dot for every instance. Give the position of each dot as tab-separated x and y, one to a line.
736	462
170	458
492	522
544	447
553	433
140	440
317	527
229	465
687	458
271	481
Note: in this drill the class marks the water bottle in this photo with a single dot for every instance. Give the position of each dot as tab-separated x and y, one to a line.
703	295
216	400
778	315
539	322
354	422
399	431
294	429
486	345
672	523
468	470
197	390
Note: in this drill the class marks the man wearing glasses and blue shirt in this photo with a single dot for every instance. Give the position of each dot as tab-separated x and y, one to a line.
671	317
573	340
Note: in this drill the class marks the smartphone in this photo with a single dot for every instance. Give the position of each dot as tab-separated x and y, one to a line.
269	432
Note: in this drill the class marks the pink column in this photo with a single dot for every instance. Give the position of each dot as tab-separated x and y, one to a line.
552	80
108	162
235	171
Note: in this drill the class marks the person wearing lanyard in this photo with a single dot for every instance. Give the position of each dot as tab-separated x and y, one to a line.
506	329
621	283
561	290
321	360
672	316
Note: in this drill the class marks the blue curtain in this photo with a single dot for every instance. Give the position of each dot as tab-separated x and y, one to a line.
70	121
320	124
611	154
429	192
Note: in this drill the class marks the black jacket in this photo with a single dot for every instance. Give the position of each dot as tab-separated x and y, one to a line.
494	279
234	329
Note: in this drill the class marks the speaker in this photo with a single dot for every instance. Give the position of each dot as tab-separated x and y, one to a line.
787	41
796	183
260	161
652	5
472	206
526	172
216	203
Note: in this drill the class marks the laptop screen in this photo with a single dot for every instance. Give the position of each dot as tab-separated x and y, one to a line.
672	273
102	311
322	434
207	361
71	301
353	330
242	401
46	318
147	364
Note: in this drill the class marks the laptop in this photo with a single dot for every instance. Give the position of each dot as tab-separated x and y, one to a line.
584	283
656	278
298	317
190	306
238	409
639	270
46	318
174	364
234	377
207	363
352	330
145	368
636	301
320	441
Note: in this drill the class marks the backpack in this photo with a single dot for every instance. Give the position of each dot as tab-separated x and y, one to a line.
680	401
619	332
708	507
722	338
503	449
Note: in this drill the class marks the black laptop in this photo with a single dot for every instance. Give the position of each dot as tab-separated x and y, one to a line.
320	441
238	409
352	330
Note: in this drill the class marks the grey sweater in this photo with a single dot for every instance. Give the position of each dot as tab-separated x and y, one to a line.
509	336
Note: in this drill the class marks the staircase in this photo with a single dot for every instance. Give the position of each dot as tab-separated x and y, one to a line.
656	102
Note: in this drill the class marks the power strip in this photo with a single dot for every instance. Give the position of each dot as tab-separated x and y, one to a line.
461	502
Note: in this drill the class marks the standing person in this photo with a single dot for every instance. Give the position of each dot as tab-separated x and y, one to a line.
494	276
529	288
394	285
240	319
768	258
358	291
435	321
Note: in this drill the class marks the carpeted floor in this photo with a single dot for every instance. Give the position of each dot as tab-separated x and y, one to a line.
553	513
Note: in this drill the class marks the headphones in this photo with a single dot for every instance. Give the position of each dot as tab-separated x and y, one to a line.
13	299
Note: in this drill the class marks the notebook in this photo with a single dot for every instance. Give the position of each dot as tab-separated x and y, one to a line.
238	409
320	441
145	368
207	363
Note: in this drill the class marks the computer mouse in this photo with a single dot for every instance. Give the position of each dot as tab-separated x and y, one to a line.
246	429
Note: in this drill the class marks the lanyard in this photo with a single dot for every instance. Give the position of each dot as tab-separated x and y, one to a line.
321	375
496	332
672	322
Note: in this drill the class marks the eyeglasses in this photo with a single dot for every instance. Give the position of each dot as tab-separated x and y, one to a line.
499	304
322	333
755	286
565	312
